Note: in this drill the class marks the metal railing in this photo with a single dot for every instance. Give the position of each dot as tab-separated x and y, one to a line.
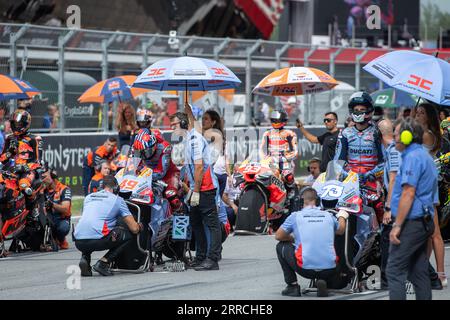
103	54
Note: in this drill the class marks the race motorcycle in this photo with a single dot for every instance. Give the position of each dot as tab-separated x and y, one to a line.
340	190
263	203
145	200
23	216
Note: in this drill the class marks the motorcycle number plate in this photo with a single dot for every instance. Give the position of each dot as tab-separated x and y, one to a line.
252	167
128	184
332	191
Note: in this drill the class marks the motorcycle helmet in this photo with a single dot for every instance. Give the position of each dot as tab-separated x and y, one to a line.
361	98
20	122
144	144
144	118
278	118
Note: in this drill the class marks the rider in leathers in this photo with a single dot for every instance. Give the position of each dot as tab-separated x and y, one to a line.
360	147
156	154
281	144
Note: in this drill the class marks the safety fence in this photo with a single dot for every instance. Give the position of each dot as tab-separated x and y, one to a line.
63	63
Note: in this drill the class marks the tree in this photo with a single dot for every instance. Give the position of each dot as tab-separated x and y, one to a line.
432	20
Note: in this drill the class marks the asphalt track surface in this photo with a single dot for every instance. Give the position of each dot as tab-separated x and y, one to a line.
249	270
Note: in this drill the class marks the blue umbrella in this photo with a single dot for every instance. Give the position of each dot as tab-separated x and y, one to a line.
114	89
420	74
14	88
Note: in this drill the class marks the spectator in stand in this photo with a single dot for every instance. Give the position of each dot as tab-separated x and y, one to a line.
51	118
126	124
328	140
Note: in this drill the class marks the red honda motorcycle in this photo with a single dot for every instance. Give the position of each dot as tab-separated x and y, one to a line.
263	204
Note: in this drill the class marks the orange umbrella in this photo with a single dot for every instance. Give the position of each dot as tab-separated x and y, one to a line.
114	89
295	81
13	88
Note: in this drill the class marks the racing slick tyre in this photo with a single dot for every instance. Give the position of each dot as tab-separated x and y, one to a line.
252	213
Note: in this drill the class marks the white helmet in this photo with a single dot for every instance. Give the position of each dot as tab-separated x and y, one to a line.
292	100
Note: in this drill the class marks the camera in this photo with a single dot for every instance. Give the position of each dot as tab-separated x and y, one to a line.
173	42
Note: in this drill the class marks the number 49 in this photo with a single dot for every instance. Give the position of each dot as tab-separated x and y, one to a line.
128	184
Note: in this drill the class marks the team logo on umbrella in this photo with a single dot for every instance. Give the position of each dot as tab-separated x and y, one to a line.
156	72
189	72
23	84
220	71
114	85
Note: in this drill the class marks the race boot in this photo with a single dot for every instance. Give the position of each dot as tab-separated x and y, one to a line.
158	259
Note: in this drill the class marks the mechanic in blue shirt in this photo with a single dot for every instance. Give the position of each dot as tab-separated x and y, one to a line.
100	227
313	256
413	199
203	194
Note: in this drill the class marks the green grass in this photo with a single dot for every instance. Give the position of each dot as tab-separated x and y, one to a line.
77	205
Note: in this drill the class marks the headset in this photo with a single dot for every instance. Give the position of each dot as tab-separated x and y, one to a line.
315	159
302	200
407	136
184	123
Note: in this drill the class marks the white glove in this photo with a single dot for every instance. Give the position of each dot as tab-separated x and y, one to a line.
343	214
195	199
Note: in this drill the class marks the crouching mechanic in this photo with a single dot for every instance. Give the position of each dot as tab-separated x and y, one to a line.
105	224
58	203
312	255
156	153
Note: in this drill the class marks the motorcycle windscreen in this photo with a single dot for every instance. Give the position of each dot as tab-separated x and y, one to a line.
252	211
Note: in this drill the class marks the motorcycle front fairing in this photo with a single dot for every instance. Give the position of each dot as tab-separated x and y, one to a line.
331	185
138	184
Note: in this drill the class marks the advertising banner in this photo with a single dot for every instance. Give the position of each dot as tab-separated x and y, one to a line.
66	152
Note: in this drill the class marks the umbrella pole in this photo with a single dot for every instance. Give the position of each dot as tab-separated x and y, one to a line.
186	97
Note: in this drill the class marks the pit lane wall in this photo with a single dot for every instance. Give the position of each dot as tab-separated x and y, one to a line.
66	152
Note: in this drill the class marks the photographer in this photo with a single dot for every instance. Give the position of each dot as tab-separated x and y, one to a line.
58	202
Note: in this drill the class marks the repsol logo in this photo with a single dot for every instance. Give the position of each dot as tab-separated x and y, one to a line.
361	151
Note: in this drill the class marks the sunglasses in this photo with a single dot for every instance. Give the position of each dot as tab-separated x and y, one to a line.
327	120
